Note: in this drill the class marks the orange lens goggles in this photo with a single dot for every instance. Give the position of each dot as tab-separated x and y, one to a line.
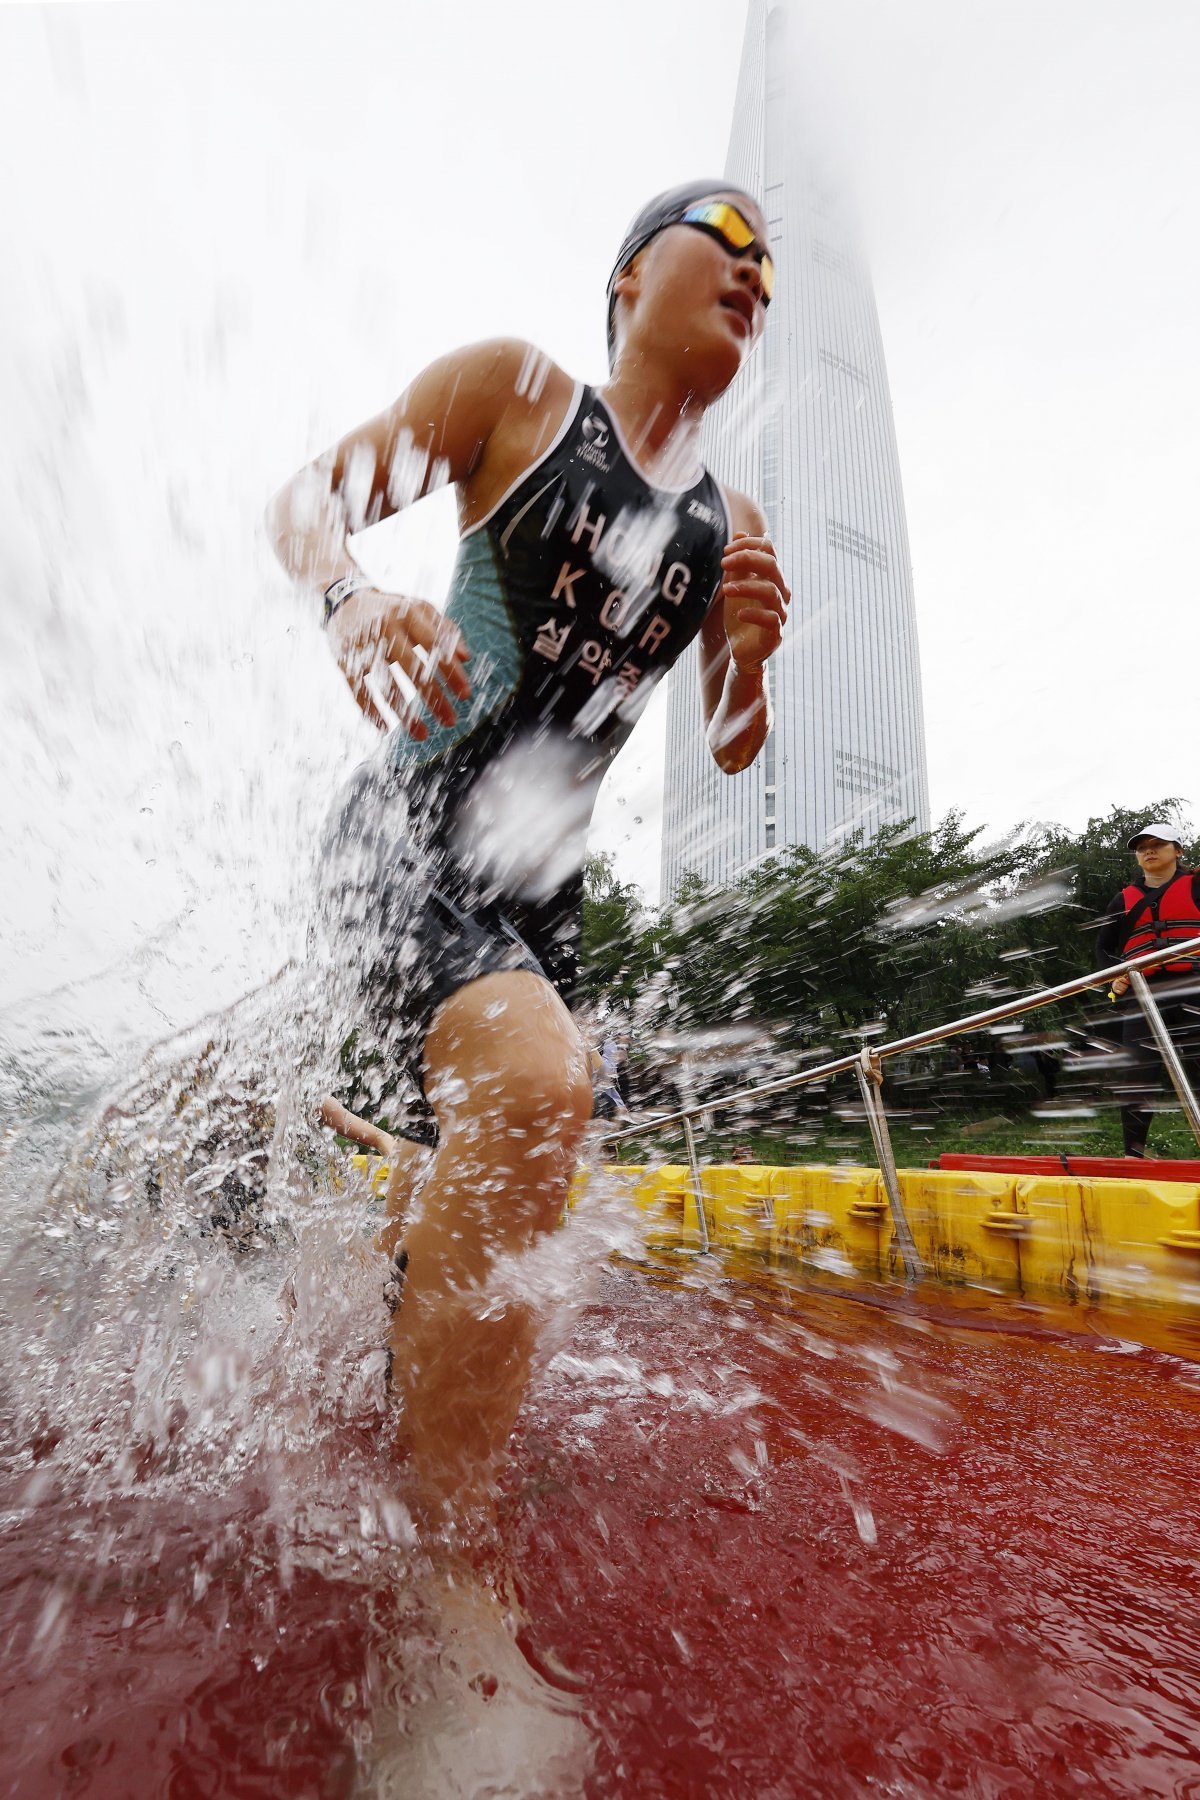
726	224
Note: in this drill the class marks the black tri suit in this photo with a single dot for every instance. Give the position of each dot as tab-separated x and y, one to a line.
462	855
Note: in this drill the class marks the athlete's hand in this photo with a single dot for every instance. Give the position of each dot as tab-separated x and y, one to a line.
371	630
756	599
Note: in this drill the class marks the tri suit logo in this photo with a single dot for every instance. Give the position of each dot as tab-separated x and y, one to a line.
595	441
706	515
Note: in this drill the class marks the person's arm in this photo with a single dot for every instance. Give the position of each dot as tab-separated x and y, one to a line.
744	627
1111	939
359	1131
438	431
1110	944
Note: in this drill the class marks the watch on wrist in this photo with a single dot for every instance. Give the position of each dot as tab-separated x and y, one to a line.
340	590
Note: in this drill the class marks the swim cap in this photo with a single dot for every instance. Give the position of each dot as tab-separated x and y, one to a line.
665	209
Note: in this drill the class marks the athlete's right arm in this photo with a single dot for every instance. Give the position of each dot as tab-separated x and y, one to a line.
438	431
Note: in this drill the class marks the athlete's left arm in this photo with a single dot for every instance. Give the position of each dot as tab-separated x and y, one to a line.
360	1131
744	627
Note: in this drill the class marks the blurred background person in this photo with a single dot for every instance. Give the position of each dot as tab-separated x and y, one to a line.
1160	906
608	1100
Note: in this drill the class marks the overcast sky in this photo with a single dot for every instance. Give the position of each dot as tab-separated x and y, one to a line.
232	233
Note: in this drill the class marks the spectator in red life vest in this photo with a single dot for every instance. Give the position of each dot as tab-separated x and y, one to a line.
1160	907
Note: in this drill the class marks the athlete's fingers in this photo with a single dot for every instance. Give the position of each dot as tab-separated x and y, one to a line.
408	716
757	588
762	620
439	644
760	615
450	659
429	695
754	559
441	675
401	636
747	575
423	624
742	540
750	546
760	593
394	697
751	582
424	679
409	720
366	702
391	692
760	562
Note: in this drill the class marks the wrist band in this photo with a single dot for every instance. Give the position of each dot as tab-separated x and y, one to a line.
340	590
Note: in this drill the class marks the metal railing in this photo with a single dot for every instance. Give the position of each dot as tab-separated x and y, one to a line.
867	1065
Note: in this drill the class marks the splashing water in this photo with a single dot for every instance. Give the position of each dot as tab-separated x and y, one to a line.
197	1453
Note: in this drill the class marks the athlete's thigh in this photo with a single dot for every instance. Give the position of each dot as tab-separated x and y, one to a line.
505	1041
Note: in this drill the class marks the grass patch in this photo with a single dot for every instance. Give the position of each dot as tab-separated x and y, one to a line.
915	1143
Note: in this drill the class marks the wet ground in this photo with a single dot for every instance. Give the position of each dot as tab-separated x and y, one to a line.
788	1542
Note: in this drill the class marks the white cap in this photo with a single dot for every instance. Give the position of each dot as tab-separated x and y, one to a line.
1157	828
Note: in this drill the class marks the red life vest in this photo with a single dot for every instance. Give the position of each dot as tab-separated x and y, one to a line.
1178	919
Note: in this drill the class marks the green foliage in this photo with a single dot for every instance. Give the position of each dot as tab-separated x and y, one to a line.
367	1082
618	935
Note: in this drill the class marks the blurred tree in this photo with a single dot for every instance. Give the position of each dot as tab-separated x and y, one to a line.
618	936
860	936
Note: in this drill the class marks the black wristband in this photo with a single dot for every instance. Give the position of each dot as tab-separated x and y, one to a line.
340	590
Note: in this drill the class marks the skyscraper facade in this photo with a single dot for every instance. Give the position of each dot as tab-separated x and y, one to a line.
807	429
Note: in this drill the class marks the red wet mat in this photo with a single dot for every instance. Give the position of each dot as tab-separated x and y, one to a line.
1122	1168
965	1567
790	1548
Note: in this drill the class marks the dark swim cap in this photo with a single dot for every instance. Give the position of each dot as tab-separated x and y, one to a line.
665	209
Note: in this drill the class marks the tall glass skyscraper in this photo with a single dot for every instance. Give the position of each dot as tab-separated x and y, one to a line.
807	429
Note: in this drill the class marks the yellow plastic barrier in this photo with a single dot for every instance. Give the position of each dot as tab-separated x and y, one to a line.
825	1211
1102	1239
625	1175
737	1205
666	1196
375	1171
967	1226
662	1194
